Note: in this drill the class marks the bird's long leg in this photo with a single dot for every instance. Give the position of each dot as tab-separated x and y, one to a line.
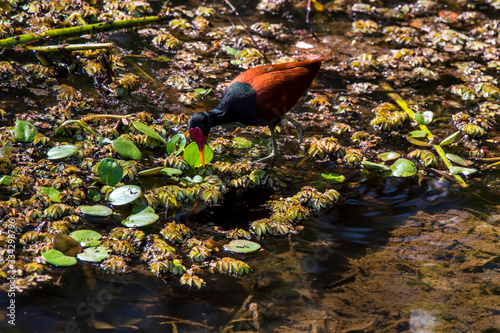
275	151
297	125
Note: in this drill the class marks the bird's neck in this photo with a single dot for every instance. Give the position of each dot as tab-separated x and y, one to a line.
219	116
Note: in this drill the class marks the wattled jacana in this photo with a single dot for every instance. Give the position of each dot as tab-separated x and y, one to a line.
259	97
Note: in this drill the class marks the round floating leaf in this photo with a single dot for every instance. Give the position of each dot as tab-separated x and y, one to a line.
376	166
171	171
176	144
140	220
242	246
192	155
465	171
66	244
389	156
150	172
145	129
61	151
142	209
449	139
110	171
87	238
94	254
124	195
96	210
127	149
52	193
424	118
403	168
333	177
418	134
25	131
240	142
57	258
458	160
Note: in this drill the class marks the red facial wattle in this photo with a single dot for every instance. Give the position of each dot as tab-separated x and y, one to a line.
200	139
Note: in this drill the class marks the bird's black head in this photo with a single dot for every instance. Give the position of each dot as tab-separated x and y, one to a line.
200	120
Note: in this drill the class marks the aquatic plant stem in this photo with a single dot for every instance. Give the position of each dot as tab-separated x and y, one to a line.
424	128
233	10
70	47
27	38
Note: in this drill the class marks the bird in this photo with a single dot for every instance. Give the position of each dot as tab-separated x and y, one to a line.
260	96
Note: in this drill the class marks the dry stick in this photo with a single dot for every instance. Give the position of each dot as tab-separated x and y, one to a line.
26	38
233	10
70	47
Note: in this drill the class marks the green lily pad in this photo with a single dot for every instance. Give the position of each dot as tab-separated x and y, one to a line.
110	171
96	210
140	220
87	238
66	244
242	246
424	118
333	177
25	131
61	151
418	134
389	156
124	195
94	254
376	166
461	170
145	129
171	171
57	258
449	139
52	193
127	149
192	155
403	168
241	142
458	160
150	172
142	209
176	144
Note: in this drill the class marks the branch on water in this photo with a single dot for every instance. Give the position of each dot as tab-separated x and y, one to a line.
79	30
70	47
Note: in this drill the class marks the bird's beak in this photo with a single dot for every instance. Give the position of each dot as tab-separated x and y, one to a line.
202	155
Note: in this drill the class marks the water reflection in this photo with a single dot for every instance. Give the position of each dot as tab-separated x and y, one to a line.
423	321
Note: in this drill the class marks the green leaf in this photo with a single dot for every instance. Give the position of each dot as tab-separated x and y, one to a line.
25	131
231	50
52	193
145	129
171	171
67	245
94	254
242	246
150	172
333	177
87	238
376	166
403	168
61	151
449	139
389	156
418	134
417	142
142	209
94	195
5	180
202	91
74	121
127	149
57	258
110	171
176	144
124	195
236	62
96	210
6	150
140	220
465	171
192	155
424	118
241	142
458	160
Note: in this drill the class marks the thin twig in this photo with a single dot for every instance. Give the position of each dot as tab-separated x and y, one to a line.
233	10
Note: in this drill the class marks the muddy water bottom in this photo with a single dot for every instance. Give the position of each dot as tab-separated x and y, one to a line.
388	260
